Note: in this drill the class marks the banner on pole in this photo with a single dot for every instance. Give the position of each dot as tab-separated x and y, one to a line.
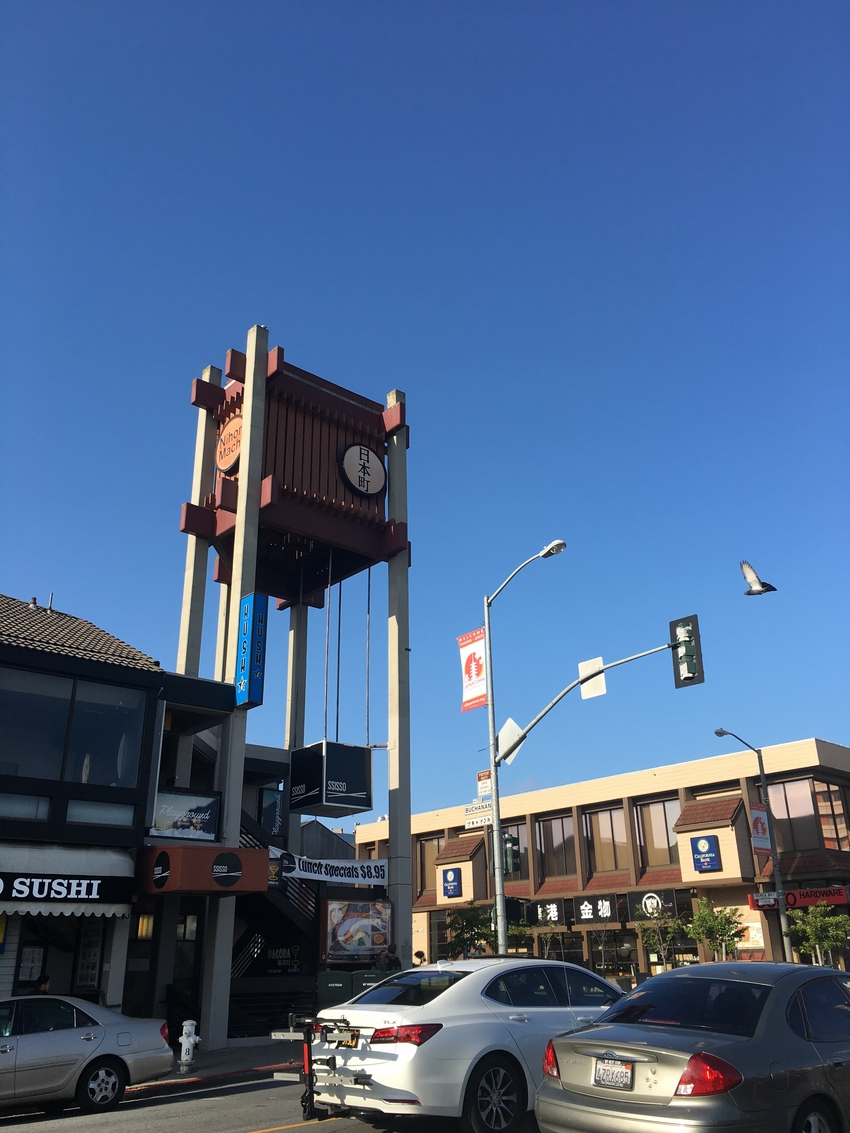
758	829
473	669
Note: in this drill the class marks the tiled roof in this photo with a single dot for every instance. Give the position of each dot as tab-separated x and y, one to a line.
817	864
516	889
426	900
556	886
656	877
712	812
460	849
50	631
608	882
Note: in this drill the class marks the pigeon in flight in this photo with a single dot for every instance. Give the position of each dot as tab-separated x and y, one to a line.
755	583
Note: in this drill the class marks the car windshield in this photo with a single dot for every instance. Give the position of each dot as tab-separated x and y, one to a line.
725	1006
411	989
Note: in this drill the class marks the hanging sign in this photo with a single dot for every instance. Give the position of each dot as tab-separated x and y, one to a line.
452	882
758	829
549	912
329	778
600	909
362	470
344	871
474	674
485	783
179	814
705	851
251	650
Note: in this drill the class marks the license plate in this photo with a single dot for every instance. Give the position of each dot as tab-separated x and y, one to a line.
614	1074
351	1039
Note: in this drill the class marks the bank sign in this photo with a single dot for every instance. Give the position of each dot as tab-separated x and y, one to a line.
251	650
705	852
62	887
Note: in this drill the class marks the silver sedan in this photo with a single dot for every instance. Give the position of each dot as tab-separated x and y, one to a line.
55	1050
713	1048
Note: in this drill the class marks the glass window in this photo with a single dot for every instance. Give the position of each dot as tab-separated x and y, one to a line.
830	809
794	1015
428	850
84	1020
101	814
411	989
658	845
46	1015
827	1010
794	816
605	832
106	735
439	935
518	831
556	846
34	711
31	807
7	1017
724	1006
527	987
580	989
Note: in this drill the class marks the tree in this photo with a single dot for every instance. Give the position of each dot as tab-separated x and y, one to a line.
658	933
719	929
470	930
817	930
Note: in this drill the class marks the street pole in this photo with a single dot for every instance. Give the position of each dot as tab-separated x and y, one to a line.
498	856
784	925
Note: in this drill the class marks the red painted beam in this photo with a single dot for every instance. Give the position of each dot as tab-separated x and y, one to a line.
394	418
275	361
207	396
225	494
198	521
234	365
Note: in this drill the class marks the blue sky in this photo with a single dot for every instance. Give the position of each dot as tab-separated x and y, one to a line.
602	247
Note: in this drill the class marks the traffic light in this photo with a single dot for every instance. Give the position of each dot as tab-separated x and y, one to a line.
511	858
687	652
514	910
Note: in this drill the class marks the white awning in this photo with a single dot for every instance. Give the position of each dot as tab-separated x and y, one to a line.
39	860
64	909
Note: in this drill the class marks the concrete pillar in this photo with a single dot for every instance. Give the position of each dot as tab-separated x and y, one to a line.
221	635
197	549
115	961
400	889
215	982
183	771
168	914
296	706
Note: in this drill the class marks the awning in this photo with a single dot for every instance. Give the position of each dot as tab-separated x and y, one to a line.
65	881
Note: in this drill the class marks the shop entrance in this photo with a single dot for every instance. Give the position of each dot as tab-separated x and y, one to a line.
67	949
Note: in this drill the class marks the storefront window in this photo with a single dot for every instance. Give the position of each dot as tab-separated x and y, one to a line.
567	946
614	953
34	711
833	822
106	735
556	846
658	844
517	830
605	832
100	814
28	807
439	936
794	815
428	850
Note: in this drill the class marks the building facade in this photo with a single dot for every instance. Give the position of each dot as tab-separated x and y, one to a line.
595	857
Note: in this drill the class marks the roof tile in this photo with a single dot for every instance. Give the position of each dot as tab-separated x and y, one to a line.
711	812
460	849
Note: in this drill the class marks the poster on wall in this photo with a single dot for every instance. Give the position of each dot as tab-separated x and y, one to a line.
355	931
183	815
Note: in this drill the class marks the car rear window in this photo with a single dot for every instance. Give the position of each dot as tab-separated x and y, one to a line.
411	989
726	1006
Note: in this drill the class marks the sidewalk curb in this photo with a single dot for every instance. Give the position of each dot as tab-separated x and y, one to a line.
174	1085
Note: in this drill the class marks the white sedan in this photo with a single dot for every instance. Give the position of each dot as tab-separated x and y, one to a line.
464	1038
55	1050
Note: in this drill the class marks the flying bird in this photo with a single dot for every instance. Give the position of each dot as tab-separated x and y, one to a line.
755	583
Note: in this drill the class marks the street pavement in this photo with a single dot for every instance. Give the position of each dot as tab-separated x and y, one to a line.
230	1091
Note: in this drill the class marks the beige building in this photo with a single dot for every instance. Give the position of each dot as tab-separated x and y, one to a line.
593	856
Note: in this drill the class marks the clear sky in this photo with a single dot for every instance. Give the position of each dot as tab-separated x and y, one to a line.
602	247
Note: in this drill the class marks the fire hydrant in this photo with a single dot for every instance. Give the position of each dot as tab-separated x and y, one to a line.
188	1041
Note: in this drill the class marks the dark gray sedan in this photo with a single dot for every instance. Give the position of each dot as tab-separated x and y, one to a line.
713	1048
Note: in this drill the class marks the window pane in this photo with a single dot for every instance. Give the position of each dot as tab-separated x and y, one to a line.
411	989
801	813
106	735
32	807
585	991
7	1015
703	1004
672	809
47	1015
556	844
606	835
828	1011
830	812
517	830
428	850
529	988
33	723
101	814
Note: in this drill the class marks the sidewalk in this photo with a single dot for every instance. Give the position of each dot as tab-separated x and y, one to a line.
241	1064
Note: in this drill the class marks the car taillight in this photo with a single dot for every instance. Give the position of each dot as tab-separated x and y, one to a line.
163	1030
417	1034
550	1061
707	1074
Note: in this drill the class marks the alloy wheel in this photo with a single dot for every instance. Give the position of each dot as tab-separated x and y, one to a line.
497	1099
816	1122
102	1086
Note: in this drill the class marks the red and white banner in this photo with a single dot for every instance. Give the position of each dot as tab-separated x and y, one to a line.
758	829
474	672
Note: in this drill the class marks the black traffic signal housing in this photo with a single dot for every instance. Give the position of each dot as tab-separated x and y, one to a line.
515	910
511	859
687	652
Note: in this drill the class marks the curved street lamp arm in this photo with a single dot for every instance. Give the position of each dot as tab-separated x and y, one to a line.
492	597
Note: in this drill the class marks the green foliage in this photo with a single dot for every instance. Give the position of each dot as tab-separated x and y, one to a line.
719	929
470	930
817	930
658	933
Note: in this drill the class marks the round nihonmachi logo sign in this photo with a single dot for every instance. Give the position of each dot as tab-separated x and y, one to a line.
161	870
227	869
363	470
229	443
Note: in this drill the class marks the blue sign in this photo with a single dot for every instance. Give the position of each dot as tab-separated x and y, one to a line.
706	853
251	650
452	884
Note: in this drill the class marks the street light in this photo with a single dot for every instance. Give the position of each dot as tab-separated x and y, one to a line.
548	551
774	855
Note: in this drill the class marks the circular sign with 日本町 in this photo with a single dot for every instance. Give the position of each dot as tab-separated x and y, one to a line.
363	470
228	444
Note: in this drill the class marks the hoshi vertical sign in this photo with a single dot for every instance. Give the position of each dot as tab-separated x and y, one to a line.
251	650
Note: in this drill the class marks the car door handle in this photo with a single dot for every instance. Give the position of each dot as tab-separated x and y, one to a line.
584	1019
88	1037
6	1049
519	1018
836	1063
